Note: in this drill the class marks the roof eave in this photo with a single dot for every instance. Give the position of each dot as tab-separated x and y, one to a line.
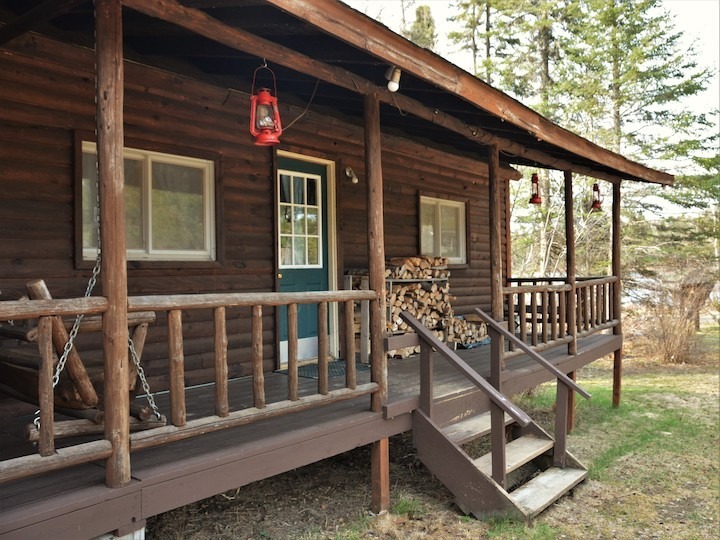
355	28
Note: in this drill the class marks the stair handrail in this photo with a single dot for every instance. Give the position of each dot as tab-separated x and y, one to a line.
562	377
468	372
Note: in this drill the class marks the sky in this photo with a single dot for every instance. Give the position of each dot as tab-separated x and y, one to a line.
698	20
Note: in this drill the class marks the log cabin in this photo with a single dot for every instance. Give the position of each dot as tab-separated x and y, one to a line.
187	191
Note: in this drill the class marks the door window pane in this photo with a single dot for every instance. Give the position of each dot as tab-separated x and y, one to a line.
300	226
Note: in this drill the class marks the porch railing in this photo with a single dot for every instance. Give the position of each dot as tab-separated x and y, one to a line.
180	427
547	312
51	458
48	457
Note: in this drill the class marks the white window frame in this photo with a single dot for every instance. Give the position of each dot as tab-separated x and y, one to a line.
321	232
461	232
147	158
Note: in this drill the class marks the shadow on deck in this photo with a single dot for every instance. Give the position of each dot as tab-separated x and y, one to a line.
74	503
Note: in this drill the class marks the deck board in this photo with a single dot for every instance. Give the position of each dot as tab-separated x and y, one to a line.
176	474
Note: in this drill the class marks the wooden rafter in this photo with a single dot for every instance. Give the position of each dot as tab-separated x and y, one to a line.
202	24
33	18
346	24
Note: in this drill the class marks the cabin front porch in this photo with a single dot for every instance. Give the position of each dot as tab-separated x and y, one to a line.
74	501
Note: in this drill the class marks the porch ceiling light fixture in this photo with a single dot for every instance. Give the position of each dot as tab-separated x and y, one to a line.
265	124
392	75
596	205
535	197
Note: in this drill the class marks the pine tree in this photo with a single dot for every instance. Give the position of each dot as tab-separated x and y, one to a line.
422	31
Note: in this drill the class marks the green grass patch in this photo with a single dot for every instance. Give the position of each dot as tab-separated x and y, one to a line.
409	507
508	529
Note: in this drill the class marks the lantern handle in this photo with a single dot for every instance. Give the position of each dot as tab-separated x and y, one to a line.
264	66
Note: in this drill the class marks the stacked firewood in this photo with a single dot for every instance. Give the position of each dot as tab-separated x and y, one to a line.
422	290
417	268
465	331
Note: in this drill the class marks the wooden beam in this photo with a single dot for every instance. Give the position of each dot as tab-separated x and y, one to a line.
617	291
570	261
350	26
376	248
496	265
202	24
109	51
36	16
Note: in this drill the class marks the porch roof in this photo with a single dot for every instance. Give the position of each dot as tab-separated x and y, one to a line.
328	55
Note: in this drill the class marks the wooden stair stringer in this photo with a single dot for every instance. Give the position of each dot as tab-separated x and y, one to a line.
475	492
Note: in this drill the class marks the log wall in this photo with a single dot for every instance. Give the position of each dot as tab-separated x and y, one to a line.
47	98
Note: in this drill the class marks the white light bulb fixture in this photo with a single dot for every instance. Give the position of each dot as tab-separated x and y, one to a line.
351	175
393	78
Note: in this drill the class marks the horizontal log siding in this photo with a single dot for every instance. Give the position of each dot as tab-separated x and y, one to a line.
46	93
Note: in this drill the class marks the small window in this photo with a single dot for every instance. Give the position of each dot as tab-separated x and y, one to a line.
442	229
169	206
300	223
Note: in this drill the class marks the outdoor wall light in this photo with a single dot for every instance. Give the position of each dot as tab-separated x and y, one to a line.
265	123
351	175
596	205
392	75
535	197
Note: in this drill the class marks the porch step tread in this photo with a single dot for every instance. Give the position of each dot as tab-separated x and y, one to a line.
517	453
546	488
471	428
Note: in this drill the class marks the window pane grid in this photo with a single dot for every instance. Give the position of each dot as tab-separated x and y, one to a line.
299	221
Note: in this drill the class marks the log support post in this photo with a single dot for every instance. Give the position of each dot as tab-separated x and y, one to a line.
617	289
380	465
570	272
497	416
109	51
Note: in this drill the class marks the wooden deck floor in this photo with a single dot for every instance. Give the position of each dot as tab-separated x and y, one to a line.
74	503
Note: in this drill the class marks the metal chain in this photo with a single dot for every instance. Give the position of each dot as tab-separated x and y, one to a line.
143	379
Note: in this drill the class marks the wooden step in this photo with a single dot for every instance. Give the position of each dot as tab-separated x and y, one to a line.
470	428
546	488
517	453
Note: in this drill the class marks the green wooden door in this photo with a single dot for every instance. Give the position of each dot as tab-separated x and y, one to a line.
302	245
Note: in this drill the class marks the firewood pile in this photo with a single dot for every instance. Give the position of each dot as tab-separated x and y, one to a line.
465	331
421	286
417	268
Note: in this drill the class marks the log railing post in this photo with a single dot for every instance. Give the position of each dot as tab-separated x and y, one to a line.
350	371
109	61
322	365
177	368
46	442
257	358
221	367
292	322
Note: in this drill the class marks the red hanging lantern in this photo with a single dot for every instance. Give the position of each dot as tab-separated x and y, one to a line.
265	123
596	205
535	197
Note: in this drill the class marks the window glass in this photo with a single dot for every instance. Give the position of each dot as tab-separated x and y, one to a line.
442	229
168	206
299	221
